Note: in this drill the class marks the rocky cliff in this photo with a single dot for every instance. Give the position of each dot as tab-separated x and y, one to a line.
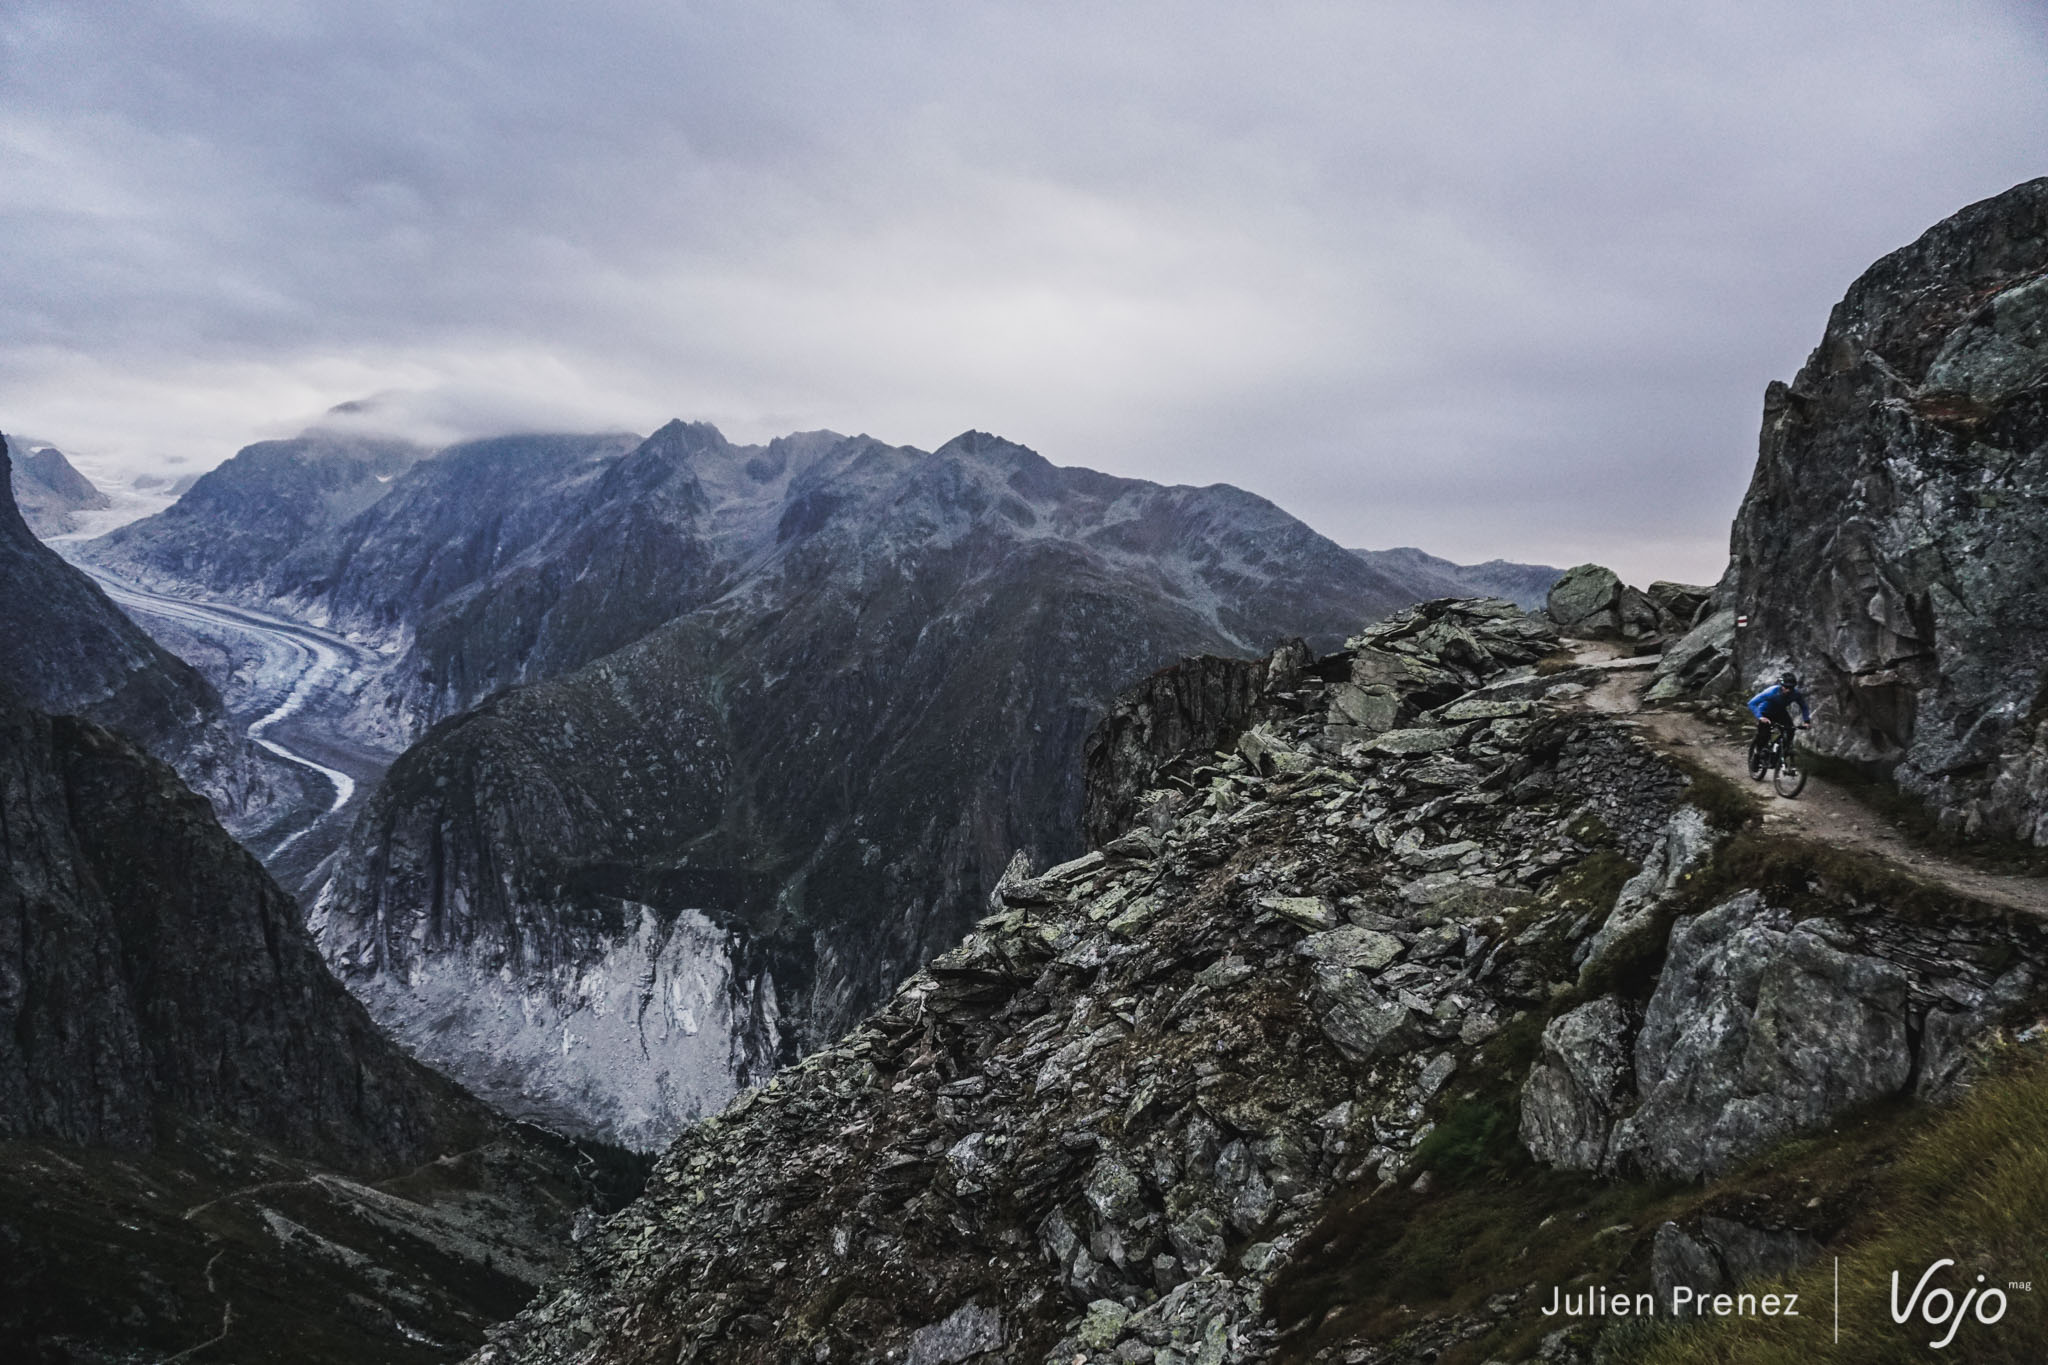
154	968
1398	930
1893	545
204	1140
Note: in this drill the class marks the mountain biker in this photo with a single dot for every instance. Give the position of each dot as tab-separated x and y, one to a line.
1772	708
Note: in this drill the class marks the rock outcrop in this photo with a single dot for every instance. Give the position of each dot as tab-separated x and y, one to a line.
1579	1086
1893	545
1591	602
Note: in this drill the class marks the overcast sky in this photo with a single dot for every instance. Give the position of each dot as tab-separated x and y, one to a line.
1493	279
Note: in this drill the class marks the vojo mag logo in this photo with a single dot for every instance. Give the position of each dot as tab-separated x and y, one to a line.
1935	1306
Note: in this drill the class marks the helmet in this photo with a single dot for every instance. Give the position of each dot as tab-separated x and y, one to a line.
1788	679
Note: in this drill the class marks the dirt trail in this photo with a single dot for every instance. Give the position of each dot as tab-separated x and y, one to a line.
1823	812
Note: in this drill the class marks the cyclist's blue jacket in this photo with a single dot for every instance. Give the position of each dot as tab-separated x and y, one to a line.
1778	698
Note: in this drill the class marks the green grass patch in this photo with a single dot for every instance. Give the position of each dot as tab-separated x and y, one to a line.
1497	1221
1814	878
1727	804
1593	882
1476	1139
1971	1184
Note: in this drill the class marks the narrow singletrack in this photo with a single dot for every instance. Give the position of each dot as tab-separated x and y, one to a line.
1824	813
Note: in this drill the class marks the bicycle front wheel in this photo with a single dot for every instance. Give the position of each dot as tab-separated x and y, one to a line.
1790	776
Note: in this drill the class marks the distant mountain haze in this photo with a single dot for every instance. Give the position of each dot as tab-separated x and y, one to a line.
781	714
49	491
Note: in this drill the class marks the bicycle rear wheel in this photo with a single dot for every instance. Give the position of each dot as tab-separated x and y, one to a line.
1790	777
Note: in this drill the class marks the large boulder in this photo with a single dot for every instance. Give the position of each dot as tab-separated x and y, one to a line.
1700	664
1591	602
1680	847
1759	1028
1893	545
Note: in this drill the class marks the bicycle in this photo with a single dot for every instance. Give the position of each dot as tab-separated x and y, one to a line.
1775	754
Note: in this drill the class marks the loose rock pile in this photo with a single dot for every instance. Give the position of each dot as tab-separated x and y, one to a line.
1100	1126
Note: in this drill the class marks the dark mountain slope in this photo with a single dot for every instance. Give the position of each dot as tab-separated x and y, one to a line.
1526	585
161	971
192	1109
71	651
244	516
443	524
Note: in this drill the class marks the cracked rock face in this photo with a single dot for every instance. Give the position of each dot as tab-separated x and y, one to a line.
1759	1028
1893	545
1578	1086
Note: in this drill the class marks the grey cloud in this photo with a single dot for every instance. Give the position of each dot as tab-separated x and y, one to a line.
1491	278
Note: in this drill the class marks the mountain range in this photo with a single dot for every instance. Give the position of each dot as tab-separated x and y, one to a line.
778	717
1329	993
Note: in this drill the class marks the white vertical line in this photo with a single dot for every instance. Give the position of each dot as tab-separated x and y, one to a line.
1838	1300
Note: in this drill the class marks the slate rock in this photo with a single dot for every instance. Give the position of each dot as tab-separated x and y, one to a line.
968	1331
1578	1086
1893	544
1758	1029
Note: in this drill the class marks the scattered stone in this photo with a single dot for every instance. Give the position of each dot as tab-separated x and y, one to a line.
1310	912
